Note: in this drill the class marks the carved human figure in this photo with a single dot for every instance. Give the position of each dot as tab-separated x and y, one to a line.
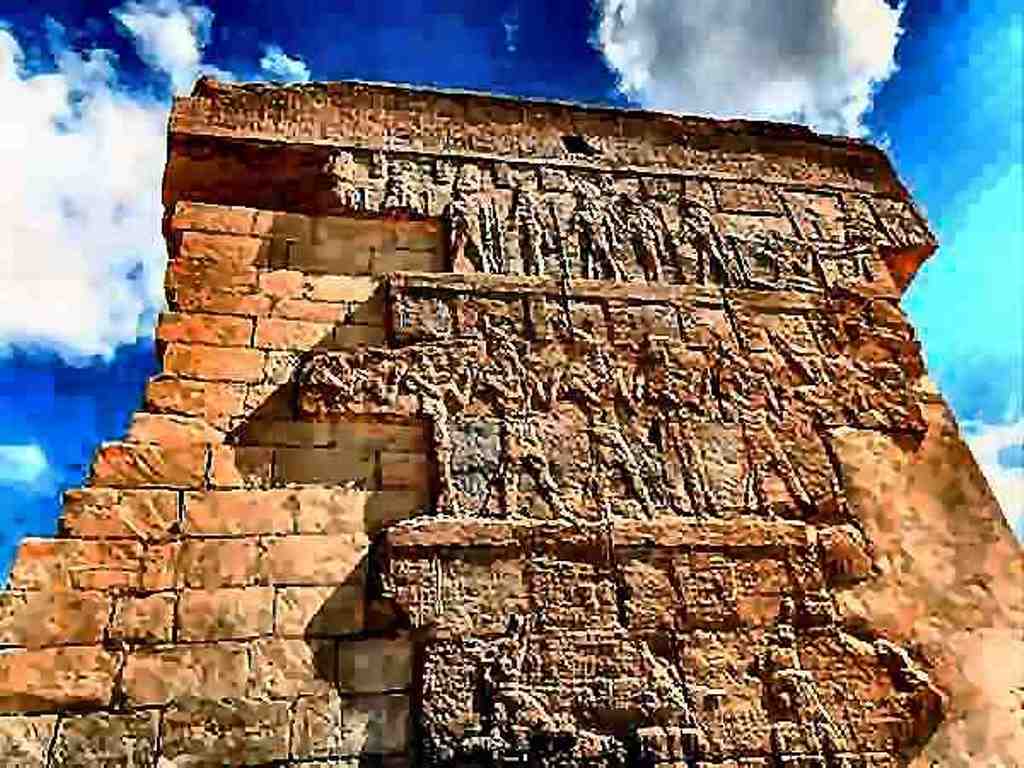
532	234
339	175
646	234
598	228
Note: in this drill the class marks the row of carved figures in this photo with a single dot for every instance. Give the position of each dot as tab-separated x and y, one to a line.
607	234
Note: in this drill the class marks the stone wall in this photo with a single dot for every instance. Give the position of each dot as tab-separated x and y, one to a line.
491	431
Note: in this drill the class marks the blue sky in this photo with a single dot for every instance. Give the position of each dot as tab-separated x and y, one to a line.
86	87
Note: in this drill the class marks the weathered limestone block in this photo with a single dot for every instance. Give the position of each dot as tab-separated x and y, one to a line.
56	679
331	726
102	739
25	741
106	513
207	731
164	674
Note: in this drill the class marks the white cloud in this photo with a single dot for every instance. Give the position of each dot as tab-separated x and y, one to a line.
987	443
81	254
25	466
810	61
170	37
278	65
81	259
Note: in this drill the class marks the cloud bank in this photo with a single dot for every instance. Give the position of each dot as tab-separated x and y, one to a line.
80	249
81	254
810	61
170	38
26	467
278	65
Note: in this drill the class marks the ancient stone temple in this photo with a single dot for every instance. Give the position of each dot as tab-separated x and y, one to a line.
508	433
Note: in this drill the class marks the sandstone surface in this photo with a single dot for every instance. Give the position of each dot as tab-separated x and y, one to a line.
498	432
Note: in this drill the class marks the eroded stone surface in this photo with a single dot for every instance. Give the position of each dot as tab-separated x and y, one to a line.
508	433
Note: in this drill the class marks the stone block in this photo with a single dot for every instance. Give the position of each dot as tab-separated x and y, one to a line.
226	257
356	336
321	611
160	675
319	312
246	466
407	261
56	679
238	732
284	668
374	666
275	333
405	471
239	512
103	740
213	218
106	513
216	402
225	614
208	363
343	288
25	741
314	559
171	430
283	283
201	328
44	564
42	619
344	510
329	726
213	563
143	619
323	466
160	566
138	465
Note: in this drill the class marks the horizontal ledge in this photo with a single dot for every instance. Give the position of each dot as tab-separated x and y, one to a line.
667	531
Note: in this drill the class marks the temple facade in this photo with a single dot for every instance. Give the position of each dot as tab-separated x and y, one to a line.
492	432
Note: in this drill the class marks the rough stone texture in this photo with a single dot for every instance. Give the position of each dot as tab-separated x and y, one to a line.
492	432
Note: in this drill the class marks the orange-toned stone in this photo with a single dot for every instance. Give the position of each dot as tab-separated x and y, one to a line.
42	619
56	679
171	430
134	465
213	218
216	402
199	328
346	288
240	512
246	466
320	611
286	668
272	333
314	559
160	675
148	619
160	566
225	614
404	470
312	311
108	513
283	283
211	563
214	363
75	564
